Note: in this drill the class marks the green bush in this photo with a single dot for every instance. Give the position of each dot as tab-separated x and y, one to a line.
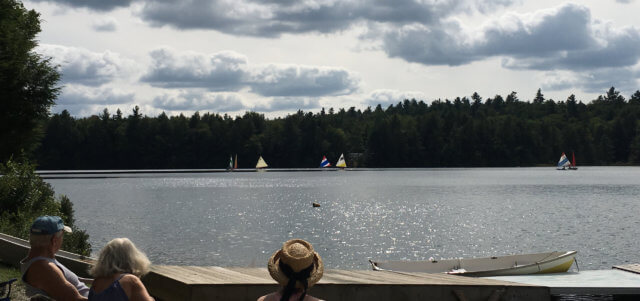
25	196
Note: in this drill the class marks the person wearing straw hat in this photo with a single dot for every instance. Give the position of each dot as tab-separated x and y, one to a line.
296	267
42	274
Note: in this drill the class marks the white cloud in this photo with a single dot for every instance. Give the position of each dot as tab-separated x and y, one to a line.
198	101
386	97
83	95
287	104
564	37
625	80
222	71
230	71
81	66
105	24
288	80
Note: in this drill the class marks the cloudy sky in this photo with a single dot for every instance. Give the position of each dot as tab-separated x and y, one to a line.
278	56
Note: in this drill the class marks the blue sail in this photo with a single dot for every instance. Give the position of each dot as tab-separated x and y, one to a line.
563	161
325	162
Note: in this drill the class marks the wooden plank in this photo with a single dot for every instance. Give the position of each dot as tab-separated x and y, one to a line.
218	283
633	268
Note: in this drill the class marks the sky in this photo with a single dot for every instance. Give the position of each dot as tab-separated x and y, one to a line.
279	56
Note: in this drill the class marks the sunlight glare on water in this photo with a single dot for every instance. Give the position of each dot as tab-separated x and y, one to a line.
241	218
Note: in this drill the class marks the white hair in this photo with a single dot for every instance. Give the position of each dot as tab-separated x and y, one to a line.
120	255
42	240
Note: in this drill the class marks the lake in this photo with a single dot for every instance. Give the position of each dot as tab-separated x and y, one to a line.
241	218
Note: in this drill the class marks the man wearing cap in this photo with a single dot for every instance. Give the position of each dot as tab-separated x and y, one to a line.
41	272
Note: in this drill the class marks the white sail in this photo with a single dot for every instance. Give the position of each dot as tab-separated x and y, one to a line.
261	163
341	162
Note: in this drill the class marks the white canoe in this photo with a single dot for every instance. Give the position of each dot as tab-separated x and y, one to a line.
524	264
13	249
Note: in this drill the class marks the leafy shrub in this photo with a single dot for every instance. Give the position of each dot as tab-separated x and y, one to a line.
24	196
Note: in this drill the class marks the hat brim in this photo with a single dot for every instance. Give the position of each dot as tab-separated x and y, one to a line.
277	275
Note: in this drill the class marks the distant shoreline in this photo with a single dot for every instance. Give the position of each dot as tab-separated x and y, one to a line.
127	173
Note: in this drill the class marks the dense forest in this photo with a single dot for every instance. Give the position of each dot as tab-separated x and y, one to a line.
464	132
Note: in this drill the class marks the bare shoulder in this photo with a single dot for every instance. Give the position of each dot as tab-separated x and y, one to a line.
130	280
134	288
43	270
43	265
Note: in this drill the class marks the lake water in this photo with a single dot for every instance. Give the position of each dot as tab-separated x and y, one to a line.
241	218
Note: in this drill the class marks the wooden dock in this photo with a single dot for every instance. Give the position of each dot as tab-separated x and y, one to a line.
218	283
633	268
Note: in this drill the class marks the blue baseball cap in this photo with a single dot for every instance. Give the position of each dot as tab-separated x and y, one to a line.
48	225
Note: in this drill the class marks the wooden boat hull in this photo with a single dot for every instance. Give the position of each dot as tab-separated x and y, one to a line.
13	250
524	264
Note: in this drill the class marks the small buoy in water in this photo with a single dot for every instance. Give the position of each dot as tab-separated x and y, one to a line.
316	204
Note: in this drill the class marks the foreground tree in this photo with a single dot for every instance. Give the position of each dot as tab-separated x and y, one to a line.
27	80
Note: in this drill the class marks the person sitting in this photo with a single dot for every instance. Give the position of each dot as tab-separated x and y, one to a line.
117	272
296	267
42	274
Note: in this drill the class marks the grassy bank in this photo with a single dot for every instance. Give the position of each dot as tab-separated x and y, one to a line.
17	288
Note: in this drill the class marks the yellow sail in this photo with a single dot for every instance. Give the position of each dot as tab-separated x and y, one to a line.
341	162
261	163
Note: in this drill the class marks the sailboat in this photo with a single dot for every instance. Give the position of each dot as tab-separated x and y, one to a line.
563	163
341	162
325	162
261	163
573	162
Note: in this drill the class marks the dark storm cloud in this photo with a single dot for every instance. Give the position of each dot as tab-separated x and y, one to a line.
99	5
268	18
229	71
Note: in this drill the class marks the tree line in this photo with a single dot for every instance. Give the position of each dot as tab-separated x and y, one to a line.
464	132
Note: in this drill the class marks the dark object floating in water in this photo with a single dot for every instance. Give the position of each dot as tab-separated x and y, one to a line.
316	204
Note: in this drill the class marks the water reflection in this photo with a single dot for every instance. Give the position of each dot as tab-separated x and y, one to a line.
238	219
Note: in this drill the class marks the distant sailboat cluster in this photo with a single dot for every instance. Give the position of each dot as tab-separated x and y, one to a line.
262	164
340	164
565	164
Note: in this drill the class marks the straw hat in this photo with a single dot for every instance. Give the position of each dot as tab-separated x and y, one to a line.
299	255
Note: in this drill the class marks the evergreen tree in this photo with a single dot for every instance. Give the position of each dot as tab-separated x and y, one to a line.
28	82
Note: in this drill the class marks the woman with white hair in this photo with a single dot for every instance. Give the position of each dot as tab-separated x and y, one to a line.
117	273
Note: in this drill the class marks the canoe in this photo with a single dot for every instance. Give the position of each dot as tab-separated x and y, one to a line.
510	265
13	249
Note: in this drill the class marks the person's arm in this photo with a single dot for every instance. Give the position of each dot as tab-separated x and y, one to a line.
134	288
87	281
49	278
